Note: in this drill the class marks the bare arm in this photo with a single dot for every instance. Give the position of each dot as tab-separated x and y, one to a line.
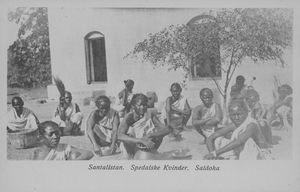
162	129
168	109
222	132
197	120
242	138
80	154
122	136
60	111
116	123
91	122
287	102
217	118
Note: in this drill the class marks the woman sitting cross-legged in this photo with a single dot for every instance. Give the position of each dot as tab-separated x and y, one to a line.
102	127
141	132
177	111
246	142
51	149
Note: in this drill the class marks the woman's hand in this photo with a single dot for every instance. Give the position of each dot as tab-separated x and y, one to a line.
112	150
148	143
209	156
97	150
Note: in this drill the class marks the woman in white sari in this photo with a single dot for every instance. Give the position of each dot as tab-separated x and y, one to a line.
20	117
51	149
246	141
102	127
139	130
177	110
68	116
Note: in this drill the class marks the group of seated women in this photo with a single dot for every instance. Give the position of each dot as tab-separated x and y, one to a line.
137	129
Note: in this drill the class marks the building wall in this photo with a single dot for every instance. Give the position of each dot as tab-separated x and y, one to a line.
122	29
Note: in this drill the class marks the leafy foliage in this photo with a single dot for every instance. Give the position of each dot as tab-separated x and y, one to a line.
29	55
258	34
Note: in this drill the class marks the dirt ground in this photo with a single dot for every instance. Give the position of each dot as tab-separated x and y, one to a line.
281	150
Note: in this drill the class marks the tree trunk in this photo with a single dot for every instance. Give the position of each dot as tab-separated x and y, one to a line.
225	112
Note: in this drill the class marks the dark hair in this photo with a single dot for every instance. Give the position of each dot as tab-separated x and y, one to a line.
177	85
206	89
19	100
69	93
45	124
138	96
128	82
240	78
102	98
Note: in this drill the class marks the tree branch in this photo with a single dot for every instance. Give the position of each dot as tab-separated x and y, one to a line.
218	86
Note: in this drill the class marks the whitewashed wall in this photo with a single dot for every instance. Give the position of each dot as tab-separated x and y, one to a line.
123	28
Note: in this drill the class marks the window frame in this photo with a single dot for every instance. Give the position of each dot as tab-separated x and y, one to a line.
192	22
88	58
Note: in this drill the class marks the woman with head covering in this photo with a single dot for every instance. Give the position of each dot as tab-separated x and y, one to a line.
102	127
246	142
177	110
20	117
141	131
207	116
125	97
68	116
51	149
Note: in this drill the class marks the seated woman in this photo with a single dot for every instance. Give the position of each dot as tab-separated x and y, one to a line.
68	116
246	142
141	131
238	90
125	97
283	106
259	113
51	149
177	110
20	117
152	99
207	116
102	127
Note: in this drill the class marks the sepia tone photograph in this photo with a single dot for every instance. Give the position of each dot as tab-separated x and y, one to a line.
149	95
149	83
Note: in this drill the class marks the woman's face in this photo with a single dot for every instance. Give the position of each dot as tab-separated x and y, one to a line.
52	136
140	107
251	100
68	98
175	91
103	108
17	104
151	102
206	98
237	114
129	86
